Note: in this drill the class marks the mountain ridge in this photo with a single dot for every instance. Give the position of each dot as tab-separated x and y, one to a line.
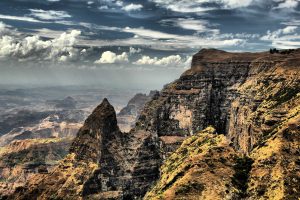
253	102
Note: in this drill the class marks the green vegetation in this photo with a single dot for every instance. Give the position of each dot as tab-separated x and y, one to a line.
285	95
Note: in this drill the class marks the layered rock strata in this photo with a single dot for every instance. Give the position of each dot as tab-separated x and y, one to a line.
128	115
250	98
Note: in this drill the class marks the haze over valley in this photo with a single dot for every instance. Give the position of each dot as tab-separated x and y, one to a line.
149	100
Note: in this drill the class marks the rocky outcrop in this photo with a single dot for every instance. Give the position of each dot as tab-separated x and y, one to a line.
68	178
56	125
250	98
21	160
130	113
204	167
213	91
66	103
103	163
20	119
253	112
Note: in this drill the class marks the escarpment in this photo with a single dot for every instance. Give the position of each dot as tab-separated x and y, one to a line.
249	101
103	163
223	90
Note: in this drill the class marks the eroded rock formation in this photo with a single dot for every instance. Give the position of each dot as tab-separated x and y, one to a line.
22	160
250	98
130	113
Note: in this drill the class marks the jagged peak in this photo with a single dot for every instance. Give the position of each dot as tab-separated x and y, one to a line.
99	126
101	112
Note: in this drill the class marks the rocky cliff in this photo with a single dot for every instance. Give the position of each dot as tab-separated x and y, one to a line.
103	163
128	115
21	160
251	100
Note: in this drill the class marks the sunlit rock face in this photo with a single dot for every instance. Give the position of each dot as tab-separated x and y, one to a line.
228	91
53	124
23	159
251	100
102	162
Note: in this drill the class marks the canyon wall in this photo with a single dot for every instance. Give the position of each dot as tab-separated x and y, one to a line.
252	101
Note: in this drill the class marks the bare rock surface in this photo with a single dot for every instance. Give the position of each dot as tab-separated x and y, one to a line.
251	100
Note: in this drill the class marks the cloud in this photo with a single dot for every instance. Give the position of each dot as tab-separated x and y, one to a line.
149	33
293	22
20	18
286	4
197	25
285	38
4	29
162	39
134	51
196	6
109	57
171	61
132	7
105	7
236	3
276	34
34	48
289	29
49	14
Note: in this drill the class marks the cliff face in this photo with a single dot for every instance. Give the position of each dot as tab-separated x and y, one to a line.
200	169
130	113
224	90
102	163
259	115
21	160
60	124
252	101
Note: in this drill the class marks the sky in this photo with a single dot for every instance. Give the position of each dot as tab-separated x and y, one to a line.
132	43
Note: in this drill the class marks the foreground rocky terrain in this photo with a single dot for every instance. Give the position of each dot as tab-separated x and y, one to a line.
21	160
33	140
228	128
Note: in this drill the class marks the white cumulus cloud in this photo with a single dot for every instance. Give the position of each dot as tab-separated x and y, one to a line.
170	61
132	7
287	4
109	57
134	51
33	47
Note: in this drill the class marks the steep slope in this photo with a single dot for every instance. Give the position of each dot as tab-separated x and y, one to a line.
276	169
130	113
103	163
67	180
21	160
64	123
250	98
261	121
200	169
223	89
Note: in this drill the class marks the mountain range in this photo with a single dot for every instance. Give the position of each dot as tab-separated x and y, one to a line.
228	128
